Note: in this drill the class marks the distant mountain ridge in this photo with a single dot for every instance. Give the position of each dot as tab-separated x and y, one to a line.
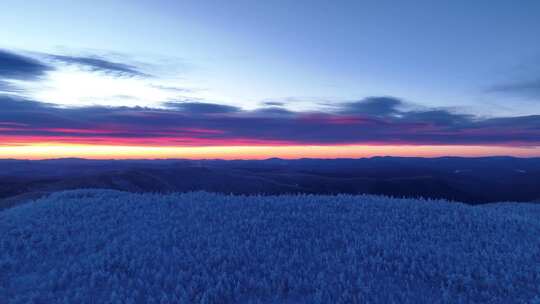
470	180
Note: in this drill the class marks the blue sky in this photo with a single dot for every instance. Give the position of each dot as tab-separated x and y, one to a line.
272	73
481	57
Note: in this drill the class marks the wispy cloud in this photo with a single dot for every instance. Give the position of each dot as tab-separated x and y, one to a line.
100	64
86	80
529	88
200	107
7	87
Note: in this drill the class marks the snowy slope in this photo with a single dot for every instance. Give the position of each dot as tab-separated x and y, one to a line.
100	246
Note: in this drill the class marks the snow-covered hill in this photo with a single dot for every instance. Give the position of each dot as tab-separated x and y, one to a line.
99	246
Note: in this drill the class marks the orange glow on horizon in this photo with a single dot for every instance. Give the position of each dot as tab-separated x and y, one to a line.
58	150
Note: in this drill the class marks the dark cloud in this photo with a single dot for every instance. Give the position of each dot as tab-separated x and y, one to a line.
274	103
11	104
530	122
100	64
201	107
376	106
438	117
273	111
16	66
193	123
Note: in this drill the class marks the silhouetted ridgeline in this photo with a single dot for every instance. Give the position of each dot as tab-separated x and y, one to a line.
470	180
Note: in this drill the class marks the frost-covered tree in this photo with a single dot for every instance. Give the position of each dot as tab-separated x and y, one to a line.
100	246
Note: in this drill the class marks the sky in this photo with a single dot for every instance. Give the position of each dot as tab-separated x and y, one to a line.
258	79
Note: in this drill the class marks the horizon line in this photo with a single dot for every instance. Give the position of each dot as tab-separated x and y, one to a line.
265	159
40	152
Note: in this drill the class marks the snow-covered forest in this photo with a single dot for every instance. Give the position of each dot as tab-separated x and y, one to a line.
102	246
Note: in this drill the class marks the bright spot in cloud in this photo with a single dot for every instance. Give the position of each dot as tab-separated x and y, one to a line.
72	86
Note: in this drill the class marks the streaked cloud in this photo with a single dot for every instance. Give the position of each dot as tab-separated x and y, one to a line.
528	88
20	67
201	107
100	64
273	103
8	87
207	124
